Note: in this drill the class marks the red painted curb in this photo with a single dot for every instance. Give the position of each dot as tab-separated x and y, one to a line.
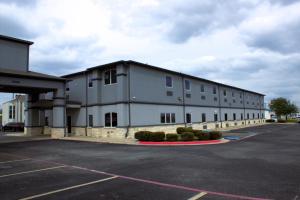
184	143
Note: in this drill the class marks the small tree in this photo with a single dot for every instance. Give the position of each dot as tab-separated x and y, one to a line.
282	106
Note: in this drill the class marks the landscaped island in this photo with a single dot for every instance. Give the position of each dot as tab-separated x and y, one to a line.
183	134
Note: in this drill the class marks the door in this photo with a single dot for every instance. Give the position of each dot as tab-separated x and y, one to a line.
69	124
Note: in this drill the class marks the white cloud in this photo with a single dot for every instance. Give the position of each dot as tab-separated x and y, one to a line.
250	44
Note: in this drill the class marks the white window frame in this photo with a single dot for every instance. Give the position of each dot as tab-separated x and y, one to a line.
171	82
110	77
190	117
185	85
110	115
170	115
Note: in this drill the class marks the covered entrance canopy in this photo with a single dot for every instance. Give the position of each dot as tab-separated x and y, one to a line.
43	91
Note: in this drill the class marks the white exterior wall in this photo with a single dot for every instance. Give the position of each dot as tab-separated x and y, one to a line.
19	112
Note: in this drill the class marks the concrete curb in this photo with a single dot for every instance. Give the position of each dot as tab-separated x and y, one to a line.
190	143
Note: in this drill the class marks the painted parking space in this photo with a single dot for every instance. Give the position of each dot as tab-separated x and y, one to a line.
237	170
41	182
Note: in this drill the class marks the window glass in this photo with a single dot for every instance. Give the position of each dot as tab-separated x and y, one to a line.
173	118
90	120
214	90
188	118
187	84
247	115
114	119
163	118
215	99
168	118
202	88
203	97
216	117
242	117
169	82
107	120
107	77
257	115
234	116
225	116
113	76
253	116
225	93
203	117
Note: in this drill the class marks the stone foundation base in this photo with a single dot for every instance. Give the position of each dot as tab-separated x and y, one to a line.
33	131
47	130
120	133
78	131
57	132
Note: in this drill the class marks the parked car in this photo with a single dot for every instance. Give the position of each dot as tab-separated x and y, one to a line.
13	127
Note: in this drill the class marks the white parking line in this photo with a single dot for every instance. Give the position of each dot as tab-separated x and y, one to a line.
68	188
198	196
27	172
14	160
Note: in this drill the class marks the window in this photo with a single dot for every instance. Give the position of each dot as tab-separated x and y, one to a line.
90	80
215	99
253	116
110	76
169	81
187	84
167	118
234	116
162	118
173	118
225	93
240	95
214	90
225	100
225	117
169	93
111	119
203	97
248	116
188	95
257	115
232	94
202	88
242	117
233	100
188	118
216	117
12	112
90	120
46	121
203	117
241	102
262	115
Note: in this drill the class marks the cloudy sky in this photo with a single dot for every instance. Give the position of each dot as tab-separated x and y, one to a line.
250	44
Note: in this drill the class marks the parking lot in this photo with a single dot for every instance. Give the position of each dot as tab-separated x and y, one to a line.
265	166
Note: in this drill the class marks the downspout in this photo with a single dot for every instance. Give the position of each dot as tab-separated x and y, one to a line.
244	108
86	102
183	100
128	100
220	106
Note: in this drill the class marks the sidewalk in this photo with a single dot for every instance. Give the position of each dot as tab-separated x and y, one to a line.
101	140
20	137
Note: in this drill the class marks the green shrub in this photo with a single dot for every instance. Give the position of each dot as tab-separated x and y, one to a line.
187	136
204	136
215	135
197	133
270	120
181	130
157	136
142	135
172	137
